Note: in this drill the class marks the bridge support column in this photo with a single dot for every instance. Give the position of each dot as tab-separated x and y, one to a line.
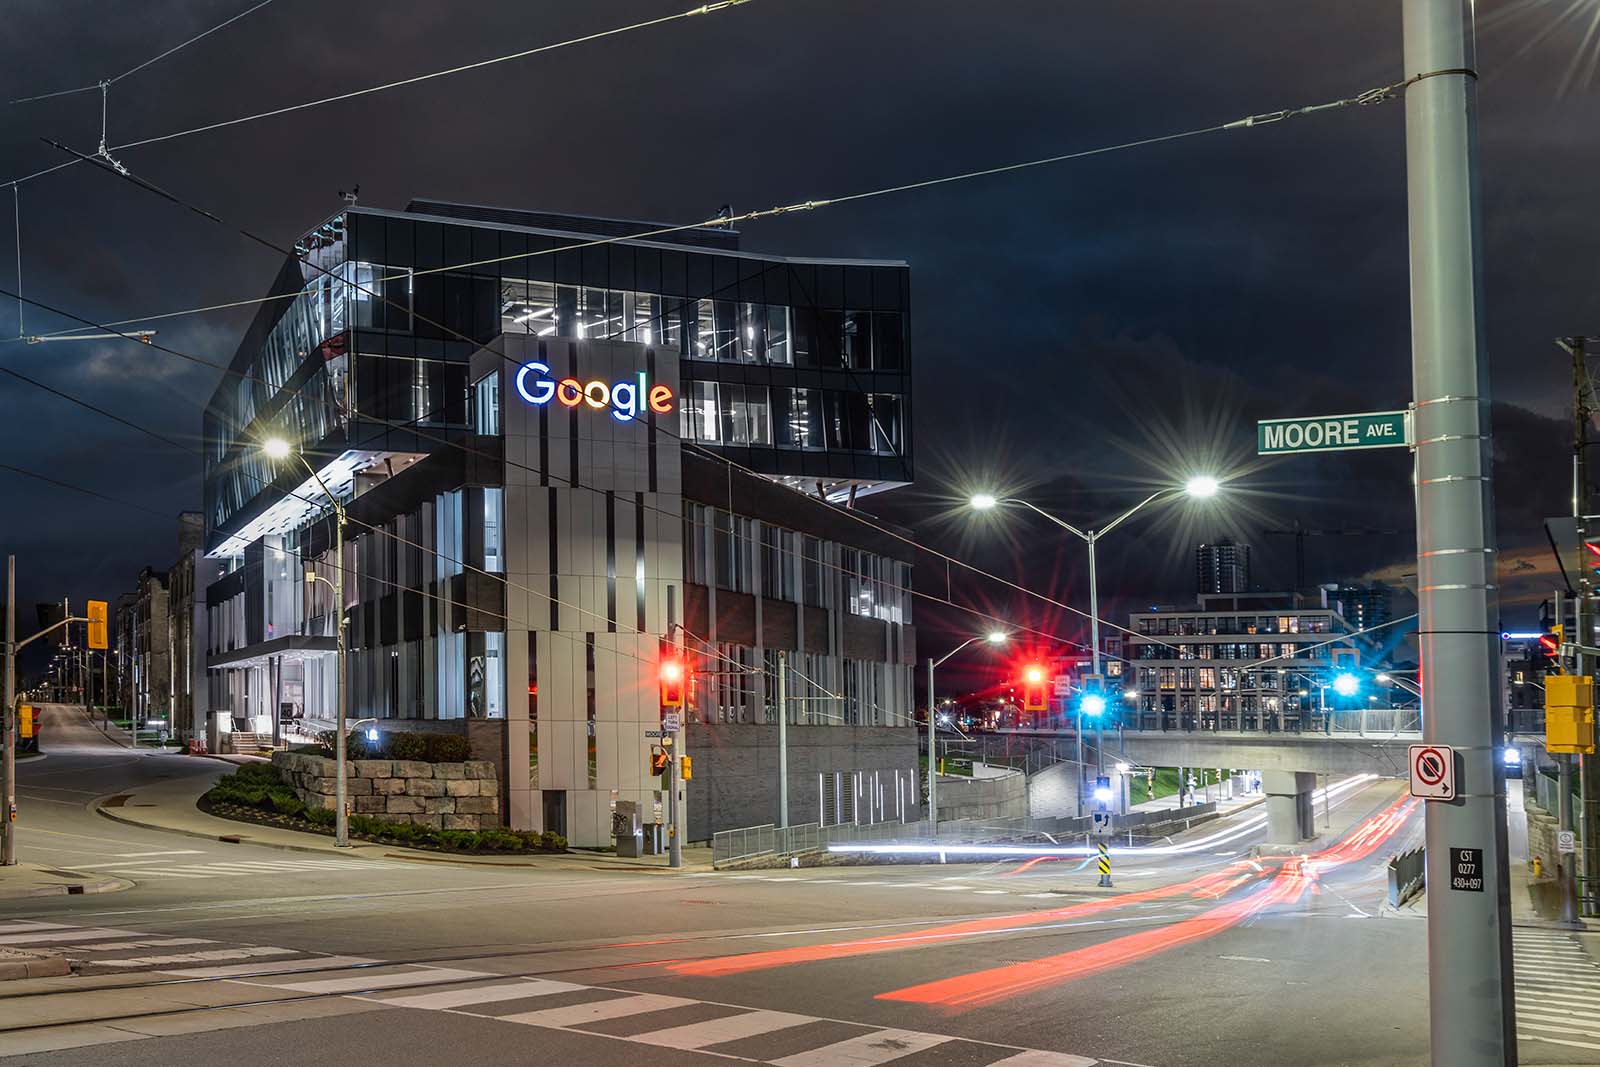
1290	818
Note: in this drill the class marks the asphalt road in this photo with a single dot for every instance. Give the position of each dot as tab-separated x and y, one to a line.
1204	956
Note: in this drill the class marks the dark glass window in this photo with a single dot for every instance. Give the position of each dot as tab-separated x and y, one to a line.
887	342
857	340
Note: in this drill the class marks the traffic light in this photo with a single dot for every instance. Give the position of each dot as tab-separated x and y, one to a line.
687	768
1550	641
97	624
1569	714
659	761
1033	688
672	677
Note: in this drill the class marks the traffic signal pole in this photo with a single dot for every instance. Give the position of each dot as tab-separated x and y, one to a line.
8	723
1470	993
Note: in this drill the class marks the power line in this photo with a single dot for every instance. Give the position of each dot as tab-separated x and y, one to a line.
703	9
1371	96
146	63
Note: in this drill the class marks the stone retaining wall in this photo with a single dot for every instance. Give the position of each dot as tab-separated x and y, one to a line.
445	796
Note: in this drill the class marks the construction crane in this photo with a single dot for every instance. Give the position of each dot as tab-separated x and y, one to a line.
1300	533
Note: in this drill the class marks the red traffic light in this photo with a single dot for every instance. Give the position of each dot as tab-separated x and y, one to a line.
1033	688
672	677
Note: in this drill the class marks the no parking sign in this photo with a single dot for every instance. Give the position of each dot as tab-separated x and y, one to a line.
1433	772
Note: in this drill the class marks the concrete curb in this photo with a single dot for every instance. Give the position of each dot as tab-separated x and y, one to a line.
229	839
72	889
38	967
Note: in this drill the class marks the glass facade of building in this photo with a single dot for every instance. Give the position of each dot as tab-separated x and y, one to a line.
796	369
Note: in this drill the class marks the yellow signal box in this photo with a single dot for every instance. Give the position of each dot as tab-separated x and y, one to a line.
25	723
688	768
97	624
1569	714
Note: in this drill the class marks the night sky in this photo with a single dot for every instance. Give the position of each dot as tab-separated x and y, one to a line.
1082	332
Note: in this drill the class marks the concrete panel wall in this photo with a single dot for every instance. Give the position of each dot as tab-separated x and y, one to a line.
736	773
1002	797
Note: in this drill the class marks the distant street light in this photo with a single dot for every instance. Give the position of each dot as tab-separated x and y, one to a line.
276	448
1199	487
993	637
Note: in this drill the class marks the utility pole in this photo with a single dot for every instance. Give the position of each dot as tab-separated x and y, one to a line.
1582	627
783	739
8	848
933	761
1472	1013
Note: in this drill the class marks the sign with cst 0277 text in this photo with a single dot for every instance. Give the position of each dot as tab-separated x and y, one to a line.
1333	433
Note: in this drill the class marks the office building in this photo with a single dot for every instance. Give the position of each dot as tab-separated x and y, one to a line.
567	456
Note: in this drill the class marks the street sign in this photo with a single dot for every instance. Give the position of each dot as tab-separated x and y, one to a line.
658	733
1102	824
671	720
1566	841
1333	433
1433	772
1466	870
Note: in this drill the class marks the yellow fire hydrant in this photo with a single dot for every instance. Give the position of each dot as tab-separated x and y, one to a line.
1538	867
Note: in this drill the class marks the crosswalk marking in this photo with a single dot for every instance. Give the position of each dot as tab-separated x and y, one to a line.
212	955
318	963
880	1046
62	935
726	1028
1037	1058
369	980
455	998
598	1010
1558	989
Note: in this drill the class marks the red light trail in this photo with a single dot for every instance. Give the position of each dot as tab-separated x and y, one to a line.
1298	875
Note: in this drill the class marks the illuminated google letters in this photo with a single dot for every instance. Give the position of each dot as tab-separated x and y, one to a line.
626	398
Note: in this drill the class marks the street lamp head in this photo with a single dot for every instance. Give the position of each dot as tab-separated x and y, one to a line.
276	448
1383	679
1346	684
997	637
983	501
1094	704
1202	487
1130	694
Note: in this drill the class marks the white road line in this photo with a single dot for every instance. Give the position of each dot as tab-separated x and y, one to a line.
993	892
148	942
728	1028
1556	1041
1566	1029
491	994
952	888
1039	1058
353	983
210	956
320	963
880	1046
596	1011
168	852
16	926
64	935
165	874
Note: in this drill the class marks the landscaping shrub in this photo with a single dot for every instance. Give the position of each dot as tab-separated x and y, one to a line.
445	748
406	746
396	744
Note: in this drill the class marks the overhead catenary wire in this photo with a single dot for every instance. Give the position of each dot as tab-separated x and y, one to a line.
149	62
1371	96
702	9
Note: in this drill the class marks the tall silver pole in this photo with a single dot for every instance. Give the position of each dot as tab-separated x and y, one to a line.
783	739
1471	1008
341	815
1094	654
1566	861
8	722
933	760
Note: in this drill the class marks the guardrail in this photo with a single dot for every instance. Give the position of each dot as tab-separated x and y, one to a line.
1407	876
767	840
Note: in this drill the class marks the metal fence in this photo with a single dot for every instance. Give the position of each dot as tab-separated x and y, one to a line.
1407	876
766	840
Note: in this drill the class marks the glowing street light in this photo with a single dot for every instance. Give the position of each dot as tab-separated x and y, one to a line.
1346	684
1199	487
1093	704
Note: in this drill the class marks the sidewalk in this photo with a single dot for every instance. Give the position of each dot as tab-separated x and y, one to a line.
170	806
38	880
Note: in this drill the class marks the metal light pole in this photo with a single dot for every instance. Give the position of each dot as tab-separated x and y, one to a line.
1471	1008
8	817
783	739
994	638
1201	487
277	448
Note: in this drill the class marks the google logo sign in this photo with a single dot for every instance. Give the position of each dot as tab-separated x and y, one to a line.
626	398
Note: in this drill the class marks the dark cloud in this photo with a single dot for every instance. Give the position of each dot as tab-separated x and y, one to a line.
1079	330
